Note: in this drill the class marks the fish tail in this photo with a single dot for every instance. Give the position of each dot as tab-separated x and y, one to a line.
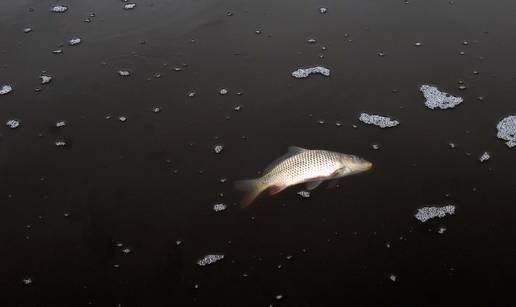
252	188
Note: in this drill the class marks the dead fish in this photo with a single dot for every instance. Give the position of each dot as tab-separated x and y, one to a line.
301	165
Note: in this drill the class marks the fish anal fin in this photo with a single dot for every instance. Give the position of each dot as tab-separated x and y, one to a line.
275	189
292	151
313	184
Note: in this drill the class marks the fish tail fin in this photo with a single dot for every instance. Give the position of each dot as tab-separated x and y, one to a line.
252	188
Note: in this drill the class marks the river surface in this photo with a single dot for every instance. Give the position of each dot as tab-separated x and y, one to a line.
115	208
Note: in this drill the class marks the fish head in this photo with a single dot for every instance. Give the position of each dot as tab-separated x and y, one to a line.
353	164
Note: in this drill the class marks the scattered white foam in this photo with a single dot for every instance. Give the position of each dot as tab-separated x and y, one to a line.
304	194
209	259
60	143
59	9
129	6
323	10
377	120
218	148
46	79
305	72
219	207
484	157
426	213
507	130
74	41
124	73
436	99
5	89
13	123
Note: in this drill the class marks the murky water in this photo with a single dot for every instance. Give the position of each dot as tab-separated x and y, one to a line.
127	122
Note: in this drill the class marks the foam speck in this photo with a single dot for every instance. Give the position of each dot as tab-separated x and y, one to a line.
377	120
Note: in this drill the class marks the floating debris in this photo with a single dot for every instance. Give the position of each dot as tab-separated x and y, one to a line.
129	6
59	9
436	99
426	213
418	44
13	123
304	194
124	73
45	79
61	143
74	41
305	72
279	297
377	120
5	89
452	145
323	10
507	130
209	259
219	207
218	148
484	157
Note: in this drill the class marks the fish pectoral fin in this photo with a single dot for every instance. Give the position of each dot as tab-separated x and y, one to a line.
333	184
275	189
312	185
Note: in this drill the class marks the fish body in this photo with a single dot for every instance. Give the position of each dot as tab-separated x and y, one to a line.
301	165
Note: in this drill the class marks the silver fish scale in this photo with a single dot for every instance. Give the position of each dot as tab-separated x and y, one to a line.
303	167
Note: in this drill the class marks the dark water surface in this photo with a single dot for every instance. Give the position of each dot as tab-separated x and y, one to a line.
152	180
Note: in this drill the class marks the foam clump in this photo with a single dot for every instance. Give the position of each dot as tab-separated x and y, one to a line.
426	213
5	89
436	99
377	120
305	72
209	259
59	9
507	130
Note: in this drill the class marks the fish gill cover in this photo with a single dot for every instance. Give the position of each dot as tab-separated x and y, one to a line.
436	99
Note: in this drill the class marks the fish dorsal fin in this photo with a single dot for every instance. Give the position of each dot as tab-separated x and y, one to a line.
292	151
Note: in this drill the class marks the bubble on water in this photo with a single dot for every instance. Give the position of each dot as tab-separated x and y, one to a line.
129	6
74	41
61	143
218	148
436	99
305	72
426	213
304	194
45	79
223	91
507	130
209	259
27	281
5	89
124	73
60	123
323	10
13	123
219	207
484	157
378	120
59	9
27	30
393	277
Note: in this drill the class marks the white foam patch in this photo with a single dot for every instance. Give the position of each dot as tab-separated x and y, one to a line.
484	157
5	89
209	259
426	213
436	99
378	120
507	130
219	207
59	9
305	72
